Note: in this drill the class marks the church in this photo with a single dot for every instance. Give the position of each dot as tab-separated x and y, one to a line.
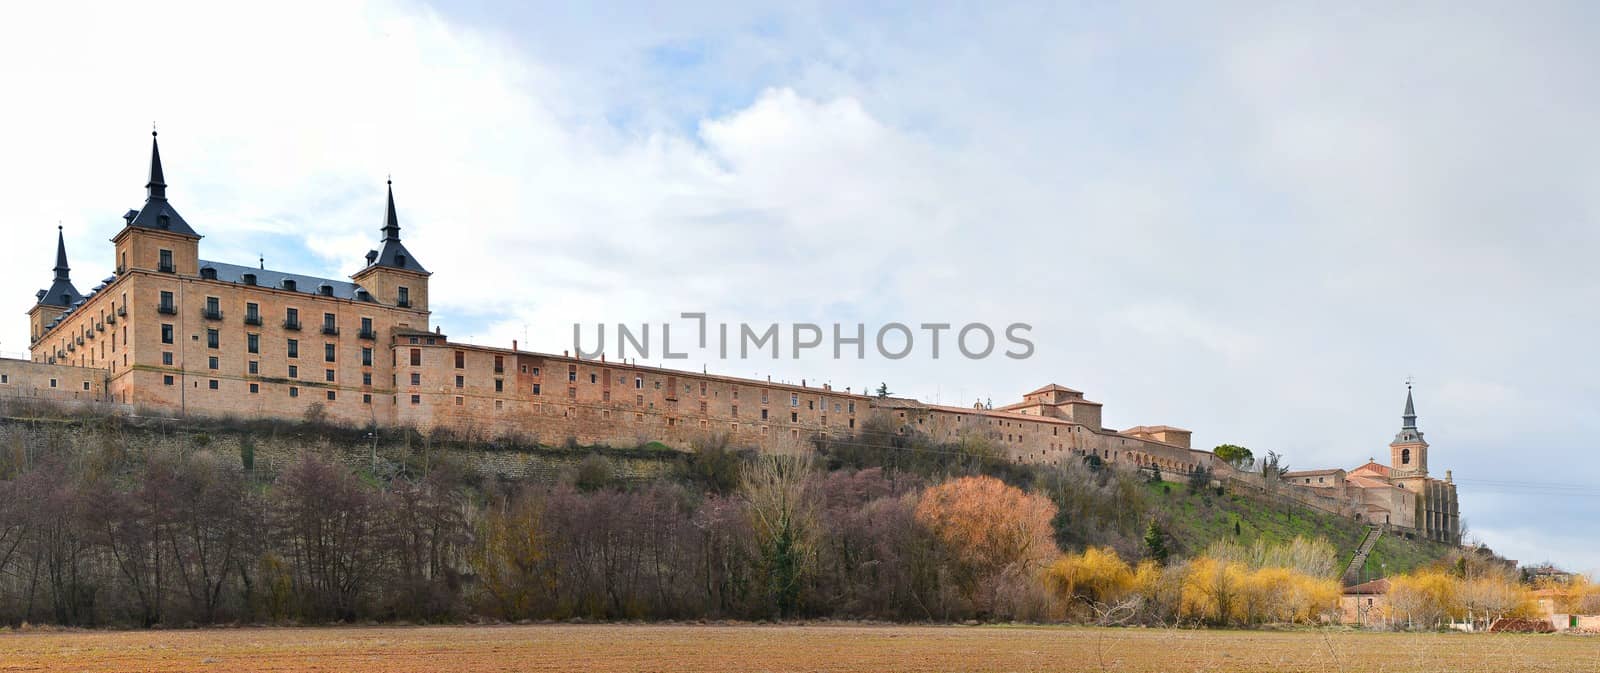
1399	494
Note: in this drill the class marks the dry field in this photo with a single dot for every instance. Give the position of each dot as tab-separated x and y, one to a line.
783	648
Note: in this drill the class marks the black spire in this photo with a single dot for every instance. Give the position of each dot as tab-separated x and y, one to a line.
391	223
393	254
158	184
61	293
1409	420
63	272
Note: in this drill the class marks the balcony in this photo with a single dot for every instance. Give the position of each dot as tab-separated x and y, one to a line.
111	319
167	268
211	313
252	319
330	330
291	324
403	303
122	310
367	334
167	309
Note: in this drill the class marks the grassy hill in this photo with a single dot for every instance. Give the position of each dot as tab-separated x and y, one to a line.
1195	520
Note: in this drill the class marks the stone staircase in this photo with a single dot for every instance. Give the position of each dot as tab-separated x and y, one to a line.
1352	572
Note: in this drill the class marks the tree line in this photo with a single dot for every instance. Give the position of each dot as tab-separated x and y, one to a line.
105	532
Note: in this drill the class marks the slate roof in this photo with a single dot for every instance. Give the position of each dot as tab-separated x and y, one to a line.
234	273
157	213
393	255
61	292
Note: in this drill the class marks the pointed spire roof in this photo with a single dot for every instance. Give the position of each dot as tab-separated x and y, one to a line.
156	188
1409	434
61	294
1409	419
157	213
393	254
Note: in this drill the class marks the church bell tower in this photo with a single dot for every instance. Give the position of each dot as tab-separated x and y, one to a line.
1408	453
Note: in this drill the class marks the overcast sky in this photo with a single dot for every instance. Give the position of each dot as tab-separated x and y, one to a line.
1254	221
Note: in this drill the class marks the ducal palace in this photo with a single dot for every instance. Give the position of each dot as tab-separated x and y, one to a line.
173	334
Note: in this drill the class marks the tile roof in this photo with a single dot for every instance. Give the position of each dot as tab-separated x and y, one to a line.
1053	387
1375	587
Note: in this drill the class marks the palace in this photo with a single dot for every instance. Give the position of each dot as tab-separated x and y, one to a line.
172	334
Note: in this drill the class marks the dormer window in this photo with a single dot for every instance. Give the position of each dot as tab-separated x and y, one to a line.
400	260
249	279
289	284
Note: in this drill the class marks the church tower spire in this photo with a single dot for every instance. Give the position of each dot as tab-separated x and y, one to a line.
1409	451
1408	420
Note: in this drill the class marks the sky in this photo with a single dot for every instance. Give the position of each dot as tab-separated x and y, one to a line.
1255	221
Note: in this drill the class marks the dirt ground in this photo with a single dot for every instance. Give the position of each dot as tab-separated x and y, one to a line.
673	649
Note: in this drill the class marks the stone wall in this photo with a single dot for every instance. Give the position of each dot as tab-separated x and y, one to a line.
276	447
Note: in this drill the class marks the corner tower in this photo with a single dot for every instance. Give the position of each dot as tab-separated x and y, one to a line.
1408	453
155	237
392	275
60	296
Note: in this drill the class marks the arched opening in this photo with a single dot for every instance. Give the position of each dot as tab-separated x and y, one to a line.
1405	456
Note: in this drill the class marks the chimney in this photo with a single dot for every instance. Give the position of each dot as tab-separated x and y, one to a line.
513	344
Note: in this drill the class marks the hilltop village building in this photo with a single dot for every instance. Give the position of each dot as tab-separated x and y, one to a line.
172	333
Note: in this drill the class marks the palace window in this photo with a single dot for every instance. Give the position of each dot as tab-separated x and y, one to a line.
327	352
416	399
366	357
461	381
294	391
294	371
252	343
166	358
405	297
166	333
331	396
416	378
536	389
416	357
255	388
166	262
327	375
211	362
255	367
499	385
294	348
212	384
366	378
461	360
213	338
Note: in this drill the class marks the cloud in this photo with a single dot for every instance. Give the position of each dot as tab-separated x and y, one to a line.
1252	224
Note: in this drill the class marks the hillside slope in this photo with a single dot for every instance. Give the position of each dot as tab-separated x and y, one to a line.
1195	520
